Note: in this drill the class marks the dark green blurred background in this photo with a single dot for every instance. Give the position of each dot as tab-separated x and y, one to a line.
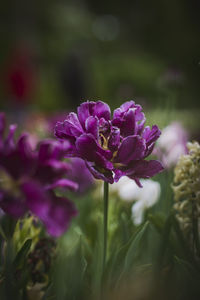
55	54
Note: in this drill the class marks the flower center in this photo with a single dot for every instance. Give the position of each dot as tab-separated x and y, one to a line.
104	144
103	141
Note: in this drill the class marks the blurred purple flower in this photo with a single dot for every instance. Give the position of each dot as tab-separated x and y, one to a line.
27	180
80	174
111	148
171	144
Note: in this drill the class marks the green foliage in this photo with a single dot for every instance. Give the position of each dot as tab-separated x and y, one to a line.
21	255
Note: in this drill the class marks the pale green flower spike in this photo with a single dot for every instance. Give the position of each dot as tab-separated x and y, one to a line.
186	188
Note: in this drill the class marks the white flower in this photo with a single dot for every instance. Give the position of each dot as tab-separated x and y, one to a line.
144	197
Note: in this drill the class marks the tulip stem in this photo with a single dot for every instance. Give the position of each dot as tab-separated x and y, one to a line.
106	188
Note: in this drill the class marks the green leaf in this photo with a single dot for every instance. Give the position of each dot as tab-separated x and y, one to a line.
76	268
8	226
187	270
186	266
180	239
2	233
96	266
79	257
157	221
133	250
22	280
68	270
21	255
165	241
48	293
122	258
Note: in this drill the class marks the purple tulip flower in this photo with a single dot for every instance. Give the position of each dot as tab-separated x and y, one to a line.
111	148
28	179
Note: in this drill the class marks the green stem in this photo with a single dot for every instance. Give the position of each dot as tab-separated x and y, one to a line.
105	222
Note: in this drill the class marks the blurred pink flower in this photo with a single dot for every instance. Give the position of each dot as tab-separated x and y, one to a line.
172	144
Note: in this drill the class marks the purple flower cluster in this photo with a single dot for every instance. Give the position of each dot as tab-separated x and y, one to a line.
28	179
111	148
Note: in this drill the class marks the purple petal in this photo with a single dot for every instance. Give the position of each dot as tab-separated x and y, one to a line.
85	111
144	169
123	108
102	110
12	205
54	212
90	108
118	174
131	148
37	199
80	174
71	152
49	149
58	165
149	150
88	147
114	139
72	125
91	126
105	176
20	161
68	148
60	131
51	170
26	157
104	125
9	143
140	126
137	181
103	162
54	150
128	125
59	216
106	153
64	183
117	122
151	135
139	115
127	117
44	151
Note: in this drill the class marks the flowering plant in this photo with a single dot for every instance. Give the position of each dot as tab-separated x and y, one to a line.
28	179
111	148
186	188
